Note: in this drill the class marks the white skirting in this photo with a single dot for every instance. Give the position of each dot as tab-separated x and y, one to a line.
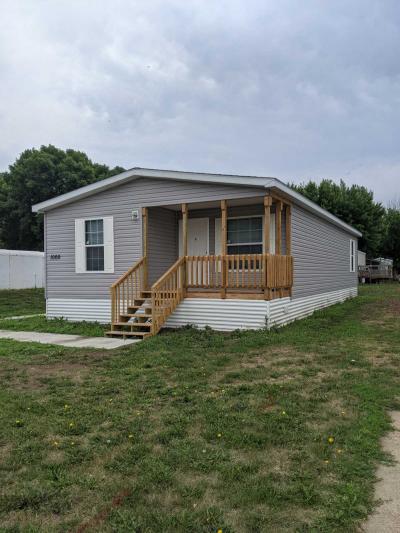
75	309
222	315
228	315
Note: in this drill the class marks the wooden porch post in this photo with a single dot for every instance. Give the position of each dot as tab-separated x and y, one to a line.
278	228
267	242
224	229
288	230
184	245
184	230
145	227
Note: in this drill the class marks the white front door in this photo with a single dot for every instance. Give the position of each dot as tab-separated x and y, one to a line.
197	236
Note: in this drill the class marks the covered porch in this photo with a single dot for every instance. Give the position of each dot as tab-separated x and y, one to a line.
232	248
228	249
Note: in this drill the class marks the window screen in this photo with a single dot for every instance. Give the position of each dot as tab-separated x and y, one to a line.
245	235
94	242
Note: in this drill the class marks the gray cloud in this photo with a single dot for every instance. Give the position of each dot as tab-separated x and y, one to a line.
292	89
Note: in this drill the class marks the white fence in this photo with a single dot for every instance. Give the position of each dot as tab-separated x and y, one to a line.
21	270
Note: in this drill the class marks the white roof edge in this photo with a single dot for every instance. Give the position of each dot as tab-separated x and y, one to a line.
228	179
312	206
82	192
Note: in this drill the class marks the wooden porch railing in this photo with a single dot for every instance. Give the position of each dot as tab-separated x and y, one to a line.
251	271
167	293
128	288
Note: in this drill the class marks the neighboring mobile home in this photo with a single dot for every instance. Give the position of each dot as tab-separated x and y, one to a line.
155	248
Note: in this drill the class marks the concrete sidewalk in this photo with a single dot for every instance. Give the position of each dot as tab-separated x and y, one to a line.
61	339
386	518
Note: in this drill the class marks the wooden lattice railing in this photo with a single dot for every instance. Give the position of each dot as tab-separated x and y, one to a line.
127	289
167	293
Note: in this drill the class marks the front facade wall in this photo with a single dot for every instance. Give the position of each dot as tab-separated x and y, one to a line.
321	254
61	279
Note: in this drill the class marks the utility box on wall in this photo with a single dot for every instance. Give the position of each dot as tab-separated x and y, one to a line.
20	269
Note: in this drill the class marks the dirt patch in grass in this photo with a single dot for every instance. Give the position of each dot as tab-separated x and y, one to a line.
33	377
262	360
276	461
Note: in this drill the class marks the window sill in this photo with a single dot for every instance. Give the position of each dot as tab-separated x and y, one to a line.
94	272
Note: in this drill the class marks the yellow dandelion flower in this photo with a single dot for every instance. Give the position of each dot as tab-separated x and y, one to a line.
331	440
131	436
219	435
326	461
219	531
283	412
55	443
71	424
339	450
66	406
72	443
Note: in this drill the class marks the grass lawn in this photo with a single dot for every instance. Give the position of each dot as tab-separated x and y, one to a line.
22	302
199	431
55	325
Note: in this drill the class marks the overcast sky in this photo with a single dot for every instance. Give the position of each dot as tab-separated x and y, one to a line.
285	88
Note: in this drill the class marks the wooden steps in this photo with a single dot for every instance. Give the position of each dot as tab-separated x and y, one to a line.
119	333
141	312
132	324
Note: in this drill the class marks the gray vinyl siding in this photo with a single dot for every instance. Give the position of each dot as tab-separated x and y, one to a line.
64	282
45	253
321	254
162	241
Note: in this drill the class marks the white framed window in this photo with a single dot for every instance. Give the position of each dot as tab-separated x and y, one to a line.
245	235
94	245
352	255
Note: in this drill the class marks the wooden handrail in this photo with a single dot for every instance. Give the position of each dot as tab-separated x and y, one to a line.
127	288
168	272
133	268
167	293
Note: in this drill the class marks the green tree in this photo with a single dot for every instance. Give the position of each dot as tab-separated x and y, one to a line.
354	205
37	175
391	243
